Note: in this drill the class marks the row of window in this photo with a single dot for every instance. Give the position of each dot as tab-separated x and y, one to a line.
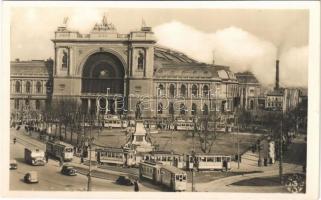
182	109
183	90
27	103
18	87
147	170
213	159
111	154
274	104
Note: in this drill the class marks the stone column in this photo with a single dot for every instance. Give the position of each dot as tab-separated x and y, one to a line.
97	107
115	107
106	108
44	88
89	105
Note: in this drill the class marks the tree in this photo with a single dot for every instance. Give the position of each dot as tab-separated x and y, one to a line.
206	134
244	118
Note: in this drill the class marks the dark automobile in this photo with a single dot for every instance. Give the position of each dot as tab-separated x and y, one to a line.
31	177
68	170
13	164
124	180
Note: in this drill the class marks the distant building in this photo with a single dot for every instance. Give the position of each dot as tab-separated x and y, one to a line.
249	91
283	99
275	100
30	85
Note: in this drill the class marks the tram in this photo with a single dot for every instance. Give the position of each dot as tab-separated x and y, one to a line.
60	150
113	121
116	156
168	176
208	162
182	125
167	158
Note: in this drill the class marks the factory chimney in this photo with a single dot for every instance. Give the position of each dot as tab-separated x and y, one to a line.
277	75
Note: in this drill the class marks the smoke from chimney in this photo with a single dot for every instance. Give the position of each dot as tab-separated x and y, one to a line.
277	75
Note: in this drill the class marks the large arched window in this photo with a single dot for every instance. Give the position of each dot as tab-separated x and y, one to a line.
182	109
103	70
171	90
194	109
194	90
28	87
38	87
160	108
183	90
18	87
205	109
205	90
160	90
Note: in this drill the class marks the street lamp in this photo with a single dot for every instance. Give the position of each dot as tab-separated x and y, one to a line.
281	151
90	141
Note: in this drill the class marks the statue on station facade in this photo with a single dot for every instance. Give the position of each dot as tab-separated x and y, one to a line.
65	59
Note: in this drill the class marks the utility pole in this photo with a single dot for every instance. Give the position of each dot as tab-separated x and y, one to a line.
193	156
172	147
281	152
193	187
238	145
89	169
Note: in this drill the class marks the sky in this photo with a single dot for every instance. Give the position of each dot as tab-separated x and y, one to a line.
244	39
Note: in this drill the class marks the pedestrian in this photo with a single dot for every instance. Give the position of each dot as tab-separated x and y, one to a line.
14	140
47	157
136	187
61	162
82	159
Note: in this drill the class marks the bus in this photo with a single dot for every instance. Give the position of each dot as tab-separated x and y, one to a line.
34	156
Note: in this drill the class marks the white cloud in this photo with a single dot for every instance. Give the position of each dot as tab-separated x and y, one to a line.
236	48
83	19
294	66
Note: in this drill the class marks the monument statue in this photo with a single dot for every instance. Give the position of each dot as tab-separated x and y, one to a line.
65	59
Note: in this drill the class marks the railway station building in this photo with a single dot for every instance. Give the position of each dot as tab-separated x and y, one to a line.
108	73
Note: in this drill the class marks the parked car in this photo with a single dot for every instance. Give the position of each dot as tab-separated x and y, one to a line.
124	180
68	170
31	177
13	164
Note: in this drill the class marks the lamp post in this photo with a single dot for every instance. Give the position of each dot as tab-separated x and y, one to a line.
90	142
281	152
236	121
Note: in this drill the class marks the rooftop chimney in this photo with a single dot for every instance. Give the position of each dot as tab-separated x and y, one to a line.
277	75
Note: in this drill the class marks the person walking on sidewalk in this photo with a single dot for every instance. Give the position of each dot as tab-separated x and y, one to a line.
82	159
136	187
46	156
61	162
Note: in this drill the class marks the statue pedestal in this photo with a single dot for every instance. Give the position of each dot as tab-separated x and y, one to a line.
139	141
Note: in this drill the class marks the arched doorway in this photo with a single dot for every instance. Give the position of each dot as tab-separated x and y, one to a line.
101	71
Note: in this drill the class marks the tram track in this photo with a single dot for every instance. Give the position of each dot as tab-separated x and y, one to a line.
29	144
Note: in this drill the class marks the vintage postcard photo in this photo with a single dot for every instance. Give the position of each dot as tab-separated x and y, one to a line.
141	97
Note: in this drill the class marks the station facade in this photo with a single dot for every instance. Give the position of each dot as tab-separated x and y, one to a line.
109	73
